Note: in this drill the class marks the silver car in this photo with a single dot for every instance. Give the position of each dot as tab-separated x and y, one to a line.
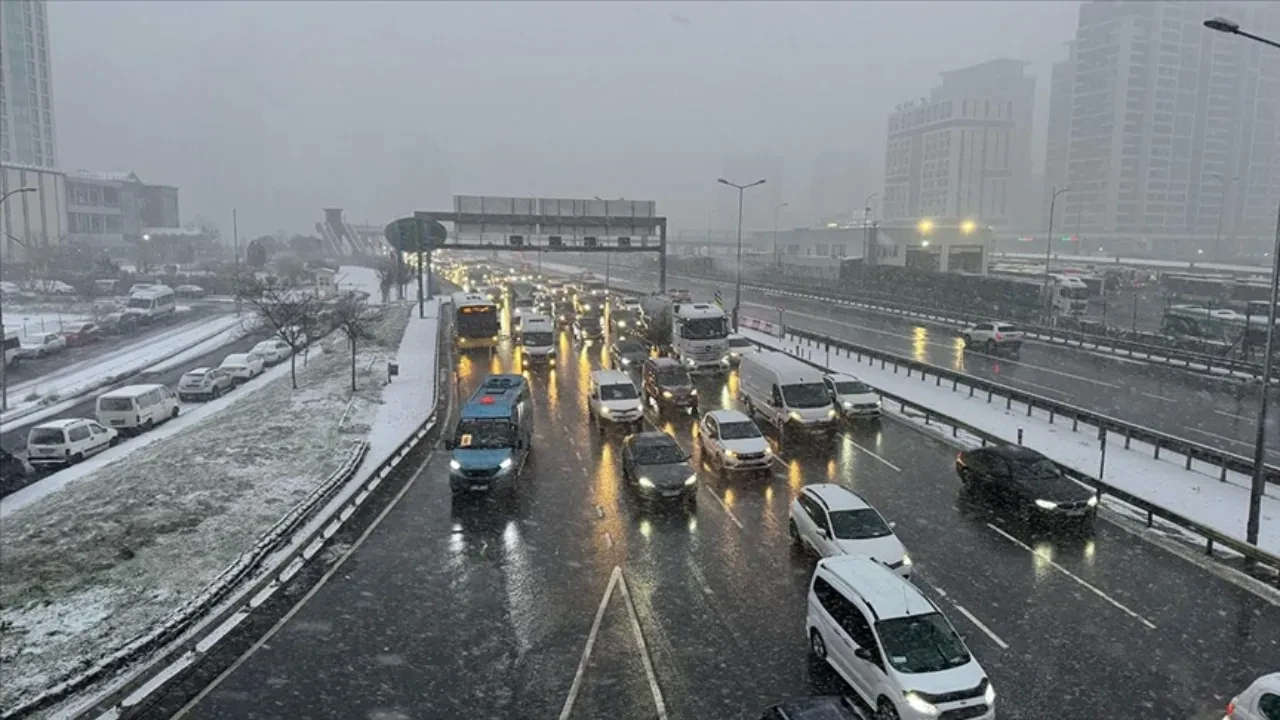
204	383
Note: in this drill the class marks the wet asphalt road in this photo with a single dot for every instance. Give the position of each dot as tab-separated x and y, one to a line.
483	608
1217	413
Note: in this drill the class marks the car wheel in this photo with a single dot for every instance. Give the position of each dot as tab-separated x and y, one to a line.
793	532
816	645
217	392
174	414
113	441
885	710
76	459
146	426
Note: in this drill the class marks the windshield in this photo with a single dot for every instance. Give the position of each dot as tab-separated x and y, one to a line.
921	644
673	377
739	430
618	392
853	387
537	339
589	321
806	395
862	524
140	303
484	434
665	454
524	302
46	436
705	329
477	321
627	347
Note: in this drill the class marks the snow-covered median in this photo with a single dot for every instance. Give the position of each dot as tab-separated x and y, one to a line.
88	568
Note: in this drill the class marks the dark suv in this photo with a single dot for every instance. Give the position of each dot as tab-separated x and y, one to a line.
667	385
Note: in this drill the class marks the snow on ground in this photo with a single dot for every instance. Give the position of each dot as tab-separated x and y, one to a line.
357	277
97	372
41	321
249	324
138	536
412	394
1196	494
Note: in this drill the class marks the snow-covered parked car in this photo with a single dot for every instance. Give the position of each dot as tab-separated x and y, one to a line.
41	345
68	441
189	291
205	383
272	351
243	366
135	408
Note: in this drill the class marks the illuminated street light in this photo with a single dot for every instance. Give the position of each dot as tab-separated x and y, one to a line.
925	226
924	243
968	226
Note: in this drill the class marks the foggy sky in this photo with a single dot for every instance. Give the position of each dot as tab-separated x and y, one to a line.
279	109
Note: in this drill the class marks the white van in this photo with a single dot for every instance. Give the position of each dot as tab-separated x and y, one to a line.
12	346
135	408
785	391
538	341
153	303
614	398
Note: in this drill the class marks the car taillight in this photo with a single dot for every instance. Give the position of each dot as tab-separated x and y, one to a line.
1231	708
999	336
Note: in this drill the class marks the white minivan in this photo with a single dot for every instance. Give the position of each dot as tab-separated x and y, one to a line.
614	398
135	408
785	392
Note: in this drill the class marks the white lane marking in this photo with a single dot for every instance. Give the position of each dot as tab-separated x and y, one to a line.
1045	388
951	346
608	540
1085	583
1161	397
616	580
872	453
578	452
973	619
1233	415
324	579
727	511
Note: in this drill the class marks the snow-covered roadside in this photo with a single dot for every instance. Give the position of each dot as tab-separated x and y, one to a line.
358	277
91	566
96	373
1191	493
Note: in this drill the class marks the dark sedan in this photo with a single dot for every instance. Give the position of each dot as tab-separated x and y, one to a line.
656	467
628	353
1030	483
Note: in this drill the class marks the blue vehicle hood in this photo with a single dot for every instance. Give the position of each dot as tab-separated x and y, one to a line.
480	459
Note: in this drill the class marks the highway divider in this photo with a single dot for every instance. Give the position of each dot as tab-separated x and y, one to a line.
802	344
193	630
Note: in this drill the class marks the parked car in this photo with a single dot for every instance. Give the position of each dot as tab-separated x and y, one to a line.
1026	481
82	334
656	467
243	366
68	441
205	383
41	345
189	291
1259	701
993	337
136	408
272	351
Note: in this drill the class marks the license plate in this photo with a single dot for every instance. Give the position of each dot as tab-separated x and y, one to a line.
670	493
117	422
1076	513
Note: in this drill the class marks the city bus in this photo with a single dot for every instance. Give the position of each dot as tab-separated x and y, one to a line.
477	322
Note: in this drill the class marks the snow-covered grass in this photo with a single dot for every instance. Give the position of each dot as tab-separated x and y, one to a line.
130	542
41	321
1196	494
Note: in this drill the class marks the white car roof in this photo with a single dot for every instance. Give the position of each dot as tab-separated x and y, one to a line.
889	595
131	391
843	377
197	371
611	377
236	357
728	416
836	497
61	424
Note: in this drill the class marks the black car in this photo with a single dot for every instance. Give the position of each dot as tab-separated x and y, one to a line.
623	322
667	385
1032	484
563	312
655	466
628	353
817	707
587	327
14	473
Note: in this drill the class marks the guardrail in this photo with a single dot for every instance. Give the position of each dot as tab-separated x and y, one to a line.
1055	410
1211	535
191	631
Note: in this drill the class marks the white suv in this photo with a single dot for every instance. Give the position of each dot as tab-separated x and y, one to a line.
1259	701
892	644
614	397
730	441
853	397
831	520
992	337
66	442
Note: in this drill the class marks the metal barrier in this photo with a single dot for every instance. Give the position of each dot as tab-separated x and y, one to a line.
1211	535
188	633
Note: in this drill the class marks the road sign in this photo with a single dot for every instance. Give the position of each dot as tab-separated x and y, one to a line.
414	234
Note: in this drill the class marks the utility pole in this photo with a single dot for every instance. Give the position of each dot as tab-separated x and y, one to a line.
235	249
737	286
1048	251
4	351
776	258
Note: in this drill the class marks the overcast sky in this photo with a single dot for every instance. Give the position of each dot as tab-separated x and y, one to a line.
279	109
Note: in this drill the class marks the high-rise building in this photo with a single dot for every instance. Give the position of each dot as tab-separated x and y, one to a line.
965	151
1174	129
26	88
759	202
1061	83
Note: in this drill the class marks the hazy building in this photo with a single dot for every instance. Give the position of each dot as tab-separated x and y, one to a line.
836	189
965	151
31	221
1164	115
1061	86
26	87
108	211
759	202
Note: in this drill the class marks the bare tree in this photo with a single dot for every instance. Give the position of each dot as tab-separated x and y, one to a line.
391	274
353	316
292	314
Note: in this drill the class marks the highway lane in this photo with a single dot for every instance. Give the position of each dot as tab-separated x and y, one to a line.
1213	412
484	608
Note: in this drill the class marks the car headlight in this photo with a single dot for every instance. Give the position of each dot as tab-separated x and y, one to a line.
694	392
795	416
848	405
604	410
504	464
1046	504
691	480
919	704
622	323
906	560
768	451
455	465
730	454
646	482
626	361
831	413
990	694
666	394
1093	500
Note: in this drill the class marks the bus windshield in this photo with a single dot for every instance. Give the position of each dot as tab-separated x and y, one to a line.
476	321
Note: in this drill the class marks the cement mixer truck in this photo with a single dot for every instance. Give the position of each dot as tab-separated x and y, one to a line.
695	333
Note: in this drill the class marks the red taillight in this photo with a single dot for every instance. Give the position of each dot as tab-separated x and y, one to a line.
1231	708
999	336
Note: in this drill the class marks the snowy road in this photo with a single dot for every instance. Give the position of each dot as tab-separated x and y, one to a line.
484	609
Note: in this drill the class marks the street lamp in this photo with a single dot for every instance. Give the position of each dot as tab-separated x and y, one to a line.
1222	210
1048	244
737	289
1260	440
775	231
867	256
4	361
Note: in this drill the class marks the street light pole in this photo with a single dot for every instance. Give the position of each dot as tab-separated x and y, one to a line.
737	288
1222	210
1048	249
4	351
866	229
1259	484
776	261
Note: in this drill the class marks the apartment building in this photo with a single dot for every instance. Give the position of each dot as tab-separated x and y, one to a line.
26	87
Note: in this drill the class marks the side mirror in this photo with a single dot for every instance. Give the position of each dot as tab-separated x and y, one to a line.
824	533
865	654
